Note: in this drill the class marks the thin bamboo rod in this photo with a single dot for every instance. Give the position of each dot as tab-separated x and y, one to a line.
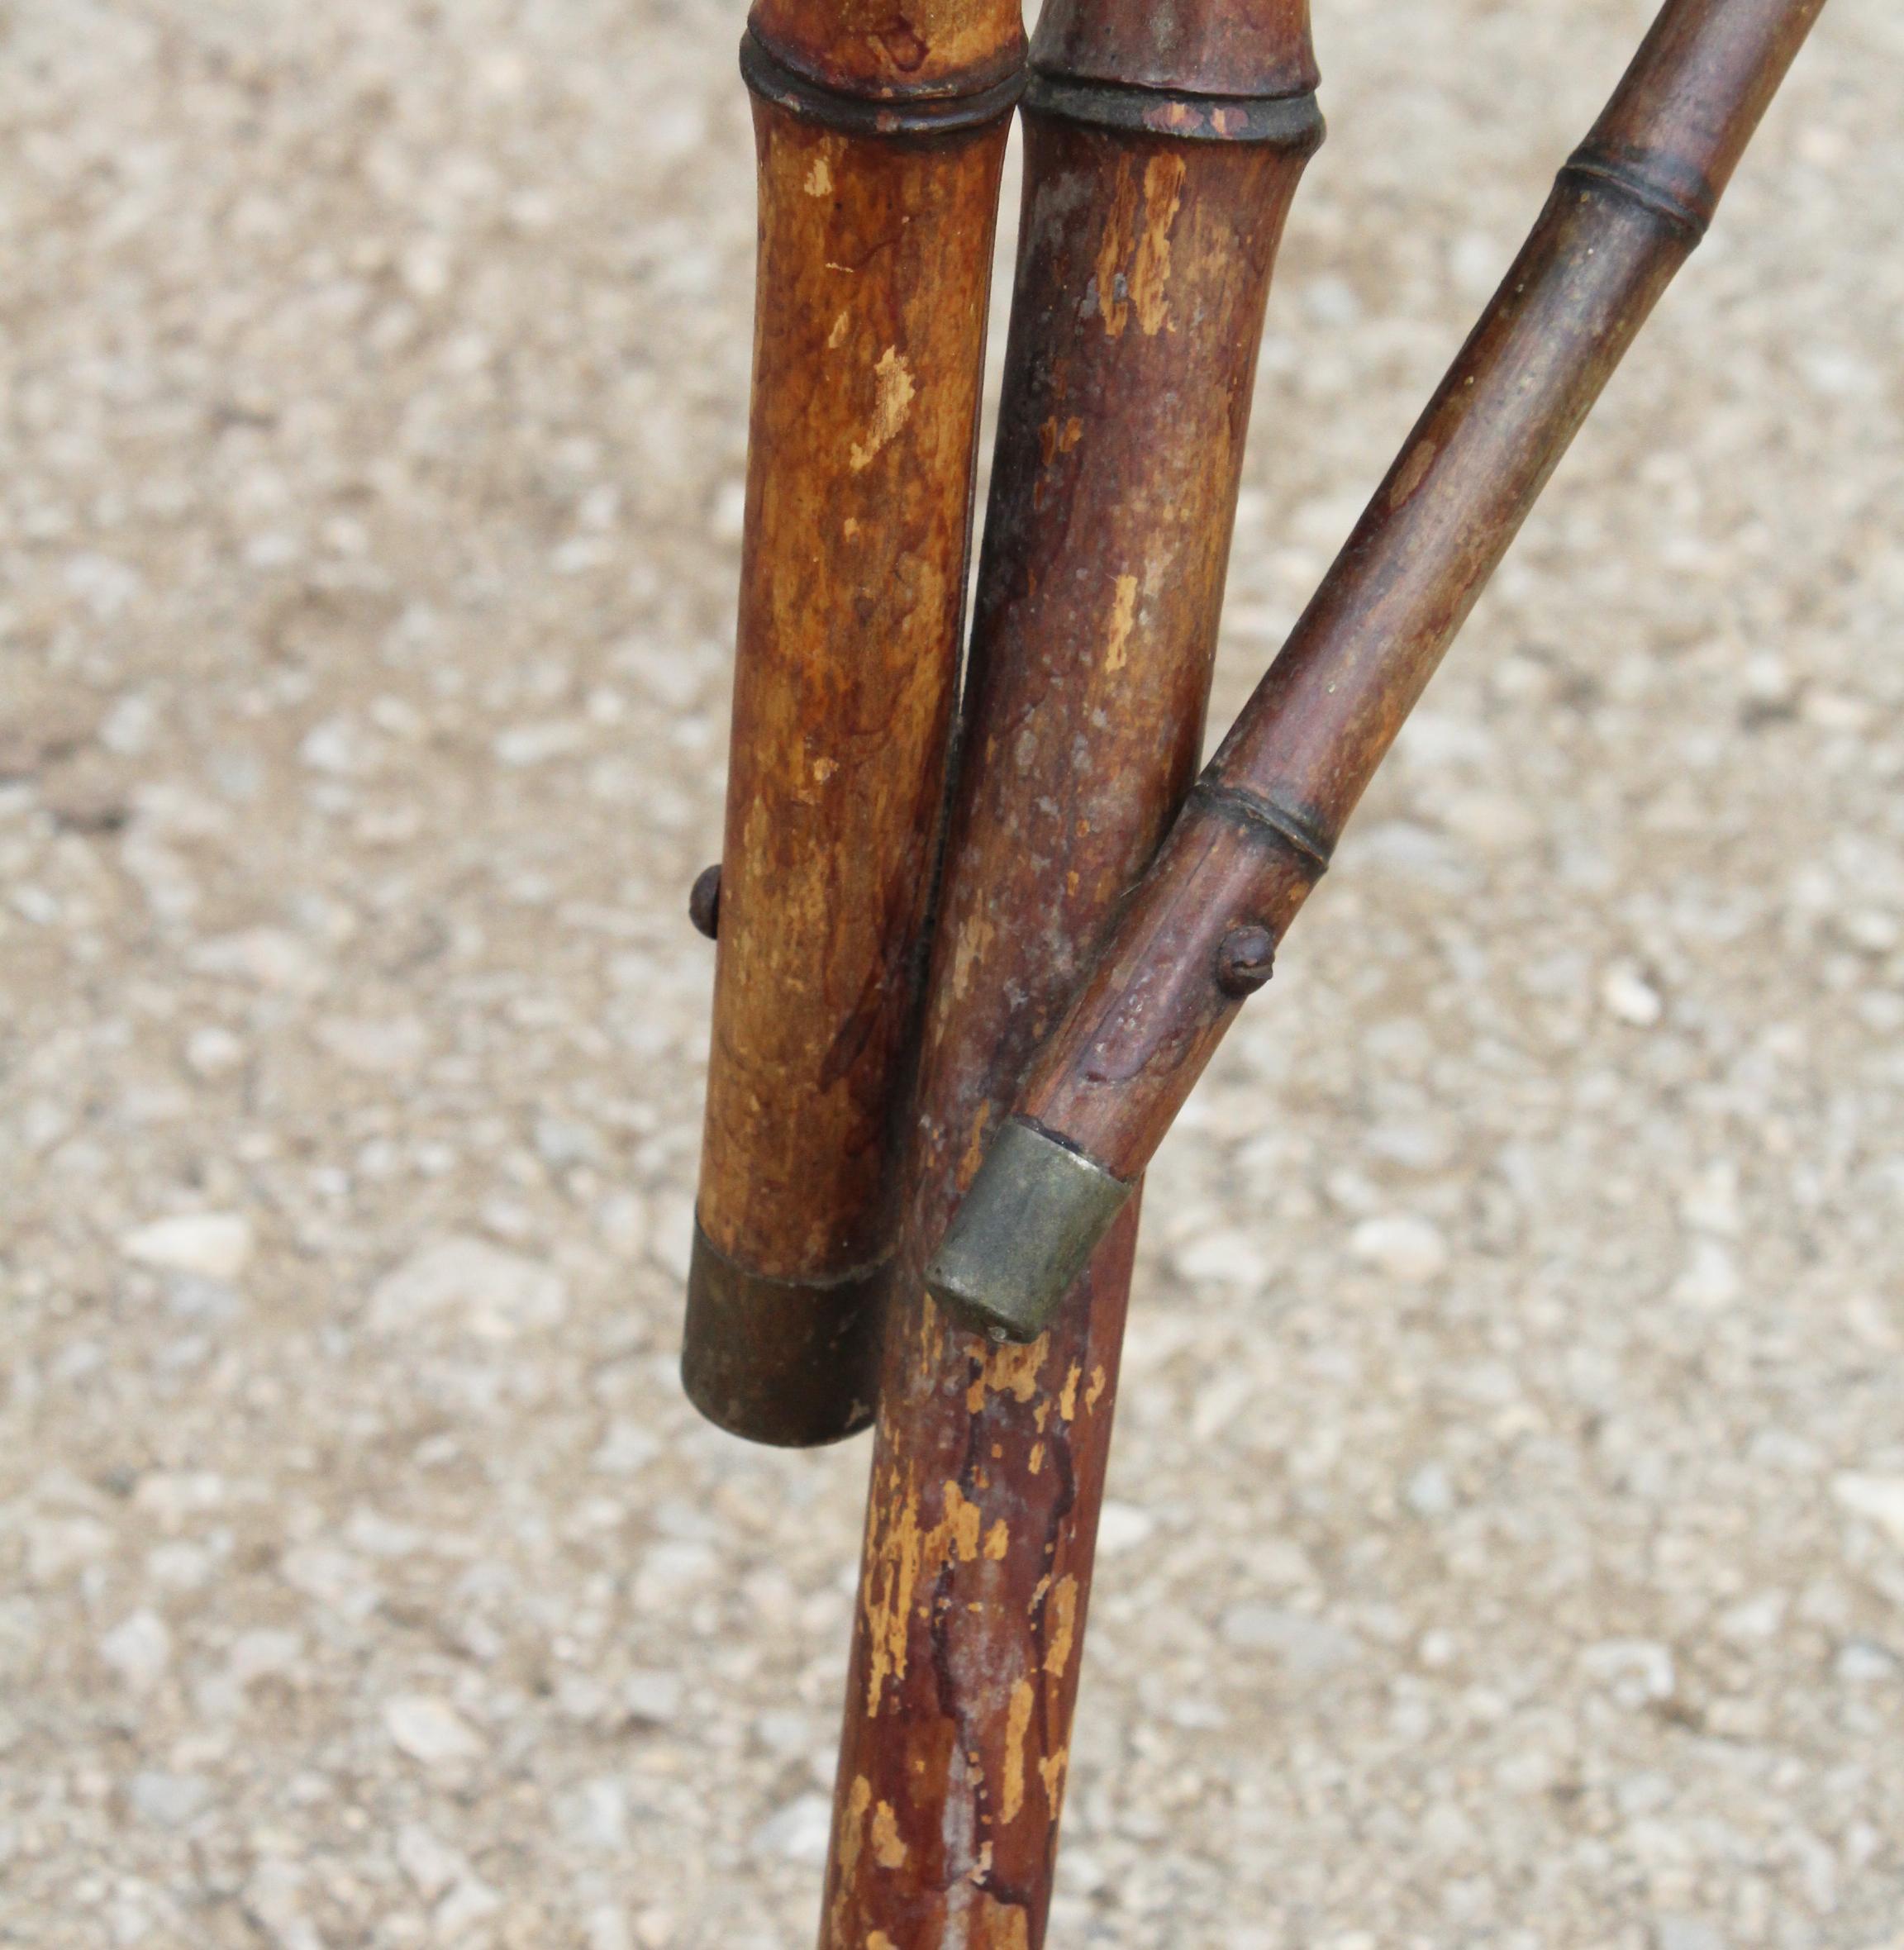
880	139
1162	152
1199	935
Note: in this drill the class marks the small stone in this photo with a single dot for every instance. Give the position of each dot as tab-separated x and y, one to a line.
1122	1527
213	1052
594	1816
1224	1258
652	1696
267	957
432	1866
471	1901
430	1730
168	1800
1630	997
214	1245
1637	1671
1861	1661
1401	1245
56	1546
1430	1490
378	1048
1878	1500
1711	1281
1304	1645
139	1651
495	1294
799	1831
264	1654
524	746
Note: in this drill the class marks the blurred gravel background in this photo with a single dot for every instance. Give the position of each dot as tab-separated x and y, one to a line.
1508	1541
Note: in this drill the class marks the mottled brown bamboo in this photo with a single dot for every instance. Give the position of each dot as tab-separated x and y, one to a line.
1625	213
879	141
1143	266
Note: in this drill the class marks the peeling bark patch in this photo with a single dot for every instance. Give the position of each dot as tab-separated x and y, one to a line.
998	1542
1119	227
1150	275
1062	1614
891	1576
1001	1926
1420	459
888	1850
1068	1396
1017	1721
1095	1393
1123	620
819	179
1009	1370
890	407
1051	1772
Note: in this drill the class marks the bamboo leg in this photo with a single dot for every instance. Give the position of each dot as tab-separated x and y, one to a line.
879	164
1150	228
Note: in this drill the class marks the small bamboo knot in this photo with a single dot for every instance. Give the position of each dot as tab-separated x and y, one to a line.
1246	960
704	900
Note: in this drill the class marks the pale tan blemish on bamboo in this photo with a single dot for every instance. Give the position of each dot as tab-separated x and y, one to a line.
1150	274
1009	1369
1035	1462
819	179
891	404
902	1554
1119	227
1051	1772
878	1941
1420	459
1123	620
837	337
999	1926
889	1848
1067	1395
891	1573
1017	1723
1095	1393
975	936
981	1865
998	1542
1056	437
1062	1612
960	1526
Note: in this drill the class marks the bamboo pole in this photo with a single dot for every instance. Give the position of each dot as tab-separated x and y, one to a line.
1161	155
880	139
1200	934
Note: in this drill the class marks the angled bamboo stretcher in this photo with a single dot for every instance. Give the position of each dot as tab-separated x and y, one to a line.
1160	161
1200	933
880	139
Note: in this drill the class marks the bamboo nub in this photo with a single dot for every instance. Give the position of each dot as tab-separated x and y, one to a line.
774	79
1597	167
1290	122
1294	831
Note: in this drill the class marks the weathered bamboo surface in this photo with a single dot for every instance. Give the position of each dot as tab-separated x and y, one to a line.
1144	269
1625	213
879	143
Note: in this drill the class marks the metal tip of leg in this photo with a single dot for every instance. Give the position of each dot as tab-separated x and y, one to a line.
794	1363
1026	1231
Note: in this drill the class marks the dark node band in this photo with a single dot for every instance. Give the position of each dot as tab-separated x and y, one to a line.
1296	831
772	80
1599	169
1292	122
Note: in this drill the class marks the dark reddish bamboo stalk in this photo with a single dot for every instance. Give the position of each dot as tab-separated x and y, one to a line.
880	138
1152	215
1625	213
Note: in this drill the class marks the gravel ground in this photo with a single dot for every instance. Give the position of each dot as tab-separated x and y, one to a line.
1507	1540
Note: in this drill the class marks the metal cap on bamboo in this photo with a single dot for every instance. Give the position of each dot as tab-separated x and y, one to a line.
793	1363
1023	1234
